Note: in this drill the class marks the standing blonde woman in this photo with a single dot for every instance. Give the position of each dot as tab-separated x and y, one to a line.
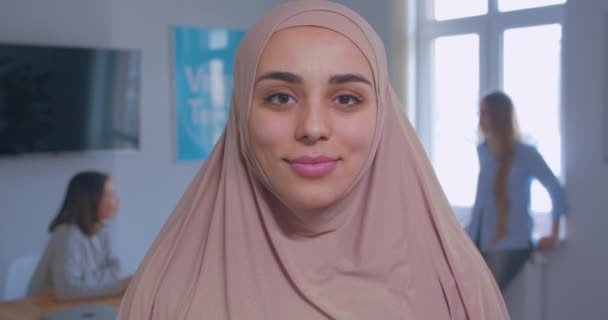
318	201
501	224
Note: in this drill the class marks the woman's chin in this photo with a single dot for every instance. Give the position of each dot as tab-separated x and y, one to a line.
312	201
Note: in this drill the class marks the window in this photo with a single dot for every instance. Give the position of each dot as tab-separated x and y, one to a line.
455	64
510	5
469	48
450	9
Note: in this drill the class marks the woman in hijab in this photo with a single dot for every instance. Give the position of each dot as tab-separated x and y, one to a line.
318	201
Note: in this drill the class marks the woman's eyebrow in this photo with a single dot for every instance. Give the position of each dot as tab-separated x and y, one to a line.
296	79
281	76
348	77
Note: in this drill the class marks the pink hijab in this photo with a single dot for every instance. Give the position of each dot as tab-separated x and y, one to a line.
391	248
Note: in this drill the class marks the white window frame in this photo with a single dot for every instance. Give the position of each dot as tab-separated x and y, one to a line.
490	28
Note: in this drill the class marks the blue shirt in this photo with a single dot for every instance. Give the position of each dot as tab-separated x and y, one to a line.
527	164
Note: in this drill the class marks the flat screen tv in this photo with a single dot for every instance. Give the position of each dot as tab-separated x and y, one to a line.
58	99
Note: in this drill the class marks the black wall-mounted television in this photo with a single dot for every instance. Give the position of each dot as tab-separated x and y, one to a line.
56	99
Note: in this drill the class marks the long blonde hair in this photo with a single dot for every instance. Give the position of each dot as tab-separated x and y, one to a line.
504	133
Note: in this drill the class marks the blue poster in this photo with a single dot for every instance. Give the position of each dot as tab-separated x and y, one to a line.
203	85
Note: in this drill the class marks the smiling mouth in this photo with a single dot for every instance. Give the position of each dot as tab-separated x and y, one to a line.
313	167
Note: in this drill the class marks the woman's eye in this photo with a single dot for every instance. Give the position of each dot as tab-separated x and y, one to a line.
280	98
347	99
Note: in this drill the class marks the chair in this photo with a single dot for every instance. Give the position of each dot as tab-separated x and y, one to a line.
20	273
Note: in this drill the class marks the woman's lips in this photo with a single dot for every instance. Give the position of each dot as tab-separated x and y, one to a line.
313	166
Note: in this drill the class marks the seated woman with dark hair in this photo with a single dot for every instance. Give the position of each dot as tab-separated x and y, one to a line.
78	261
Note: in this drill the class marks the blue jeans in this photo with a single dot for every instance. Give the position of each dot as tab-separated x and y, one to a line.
505	265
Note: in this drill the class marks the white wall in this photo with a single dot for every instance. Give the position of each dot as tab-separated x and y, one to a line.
32	187
149	182
578	272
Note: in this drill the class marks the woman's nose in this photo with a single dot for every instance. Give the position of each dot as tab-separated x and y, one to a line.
313	123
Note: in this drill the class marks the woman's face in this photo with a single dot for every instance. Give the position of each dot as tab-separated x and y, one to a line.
485	119
108	202
313	115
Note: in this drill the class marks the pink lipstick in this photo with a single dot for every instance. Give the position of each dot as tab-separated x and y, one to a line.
313	167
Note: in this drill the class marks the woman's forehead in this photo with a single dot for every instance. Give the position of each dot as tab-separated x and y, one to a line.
310	47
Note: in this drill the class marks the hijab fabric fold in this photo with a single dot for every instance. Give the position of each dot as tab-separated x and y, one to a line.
390	248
